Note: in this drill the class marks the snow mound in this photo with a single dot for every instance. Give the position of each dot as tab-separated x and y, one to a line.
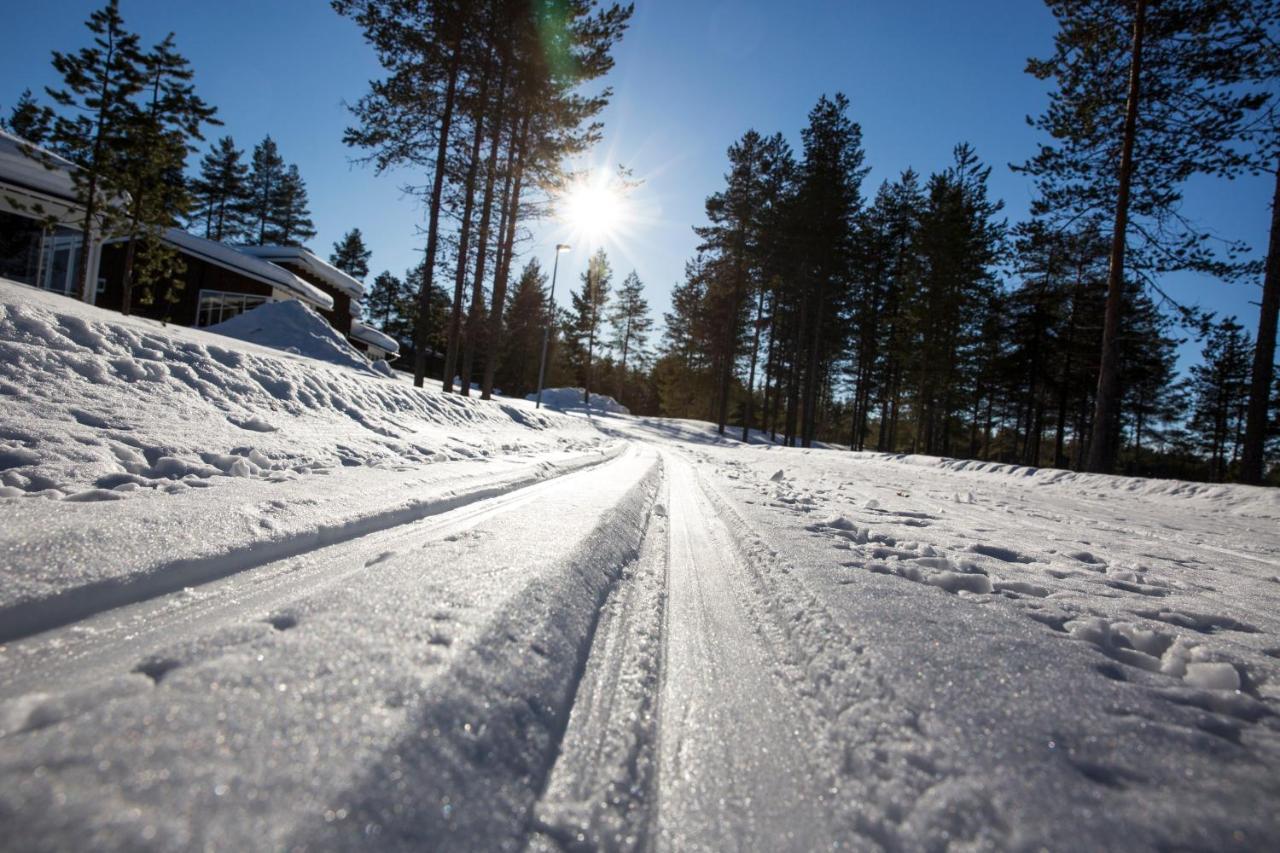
293	327
571	398
93	400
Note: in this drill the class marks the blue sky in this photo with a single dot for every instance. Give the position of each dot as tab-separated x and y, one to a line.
690	78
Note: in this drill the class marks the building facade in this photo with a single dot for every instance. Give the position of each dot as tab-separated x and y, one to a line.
42	243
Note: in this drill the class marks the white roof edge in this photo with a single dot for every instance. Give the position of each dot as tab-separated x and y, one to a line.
370	335
34	169
323	270
226	257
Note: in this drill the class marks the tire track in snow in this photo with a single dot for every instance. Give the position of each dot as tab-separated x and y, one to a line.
469	773
600	793
115	639
733	748
74	605
890	786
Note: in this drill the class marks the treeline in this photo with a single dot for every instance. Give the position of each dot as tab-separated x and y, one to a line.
919	320
485	100
129	118
262	202
600	340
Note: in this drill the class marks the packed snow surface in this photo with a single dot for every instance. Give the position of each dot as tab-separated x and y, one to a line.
568	399
298	605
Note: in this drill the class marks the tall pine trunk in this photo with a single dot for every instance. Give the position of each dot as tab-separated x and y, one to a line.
1252	463
422	328
507	234
1102	450
730	343
811	384
464	242
474	319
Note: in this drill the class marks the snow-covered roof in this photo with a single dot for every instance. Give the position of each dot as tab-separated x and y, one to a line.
222	255
374	338
32	167
322	270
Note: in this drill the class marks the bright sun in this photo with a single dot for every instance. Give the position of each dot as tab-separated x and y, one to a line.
592	208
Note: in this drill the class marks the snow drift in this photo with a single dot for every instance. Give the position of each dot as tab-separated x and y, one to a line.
97	405
571	398
293	327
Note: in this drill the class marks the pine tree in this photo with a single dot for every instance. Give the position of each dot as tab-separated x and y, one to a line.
1262	155
162	134
29	120
1131	120
220	193
827	205
291	213
959	242
382	302
1220	386
733	242
1152	400
350	254
631	324
508	73
262	199
407	118
98	87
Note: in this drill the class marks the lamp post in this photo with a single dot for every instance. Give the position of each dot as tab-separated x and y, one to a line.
546	333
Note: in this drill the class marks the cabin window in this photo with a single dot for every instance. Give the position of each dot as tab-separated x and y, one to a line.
62	247
218	306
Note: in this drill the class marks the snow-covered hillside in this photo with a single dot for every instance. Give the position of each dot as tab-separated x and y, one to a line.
252	600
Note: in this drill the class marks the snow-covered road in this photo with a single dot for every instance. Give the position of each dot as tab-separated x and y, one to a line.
399	620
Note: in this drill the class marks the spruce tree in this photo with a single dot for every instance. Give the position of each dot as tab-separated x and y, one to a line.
527	316
1220	387
29	120
221	193
99	84
631	324
586	313
291	223
350	254
382	302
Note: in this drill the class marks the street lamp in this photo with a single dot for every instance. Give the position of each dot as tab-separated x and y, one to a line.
546	333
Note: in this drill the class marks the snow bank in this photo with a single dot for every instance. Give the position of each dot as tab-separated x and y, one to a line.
1258	500
96	401
571	398
293	327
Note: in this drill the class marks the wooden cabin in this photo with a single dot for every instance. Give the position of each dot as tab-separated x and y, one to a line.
41	223
218	283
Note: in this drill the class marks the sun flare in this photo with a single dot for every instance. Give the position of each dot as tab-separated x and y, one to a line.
593	208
